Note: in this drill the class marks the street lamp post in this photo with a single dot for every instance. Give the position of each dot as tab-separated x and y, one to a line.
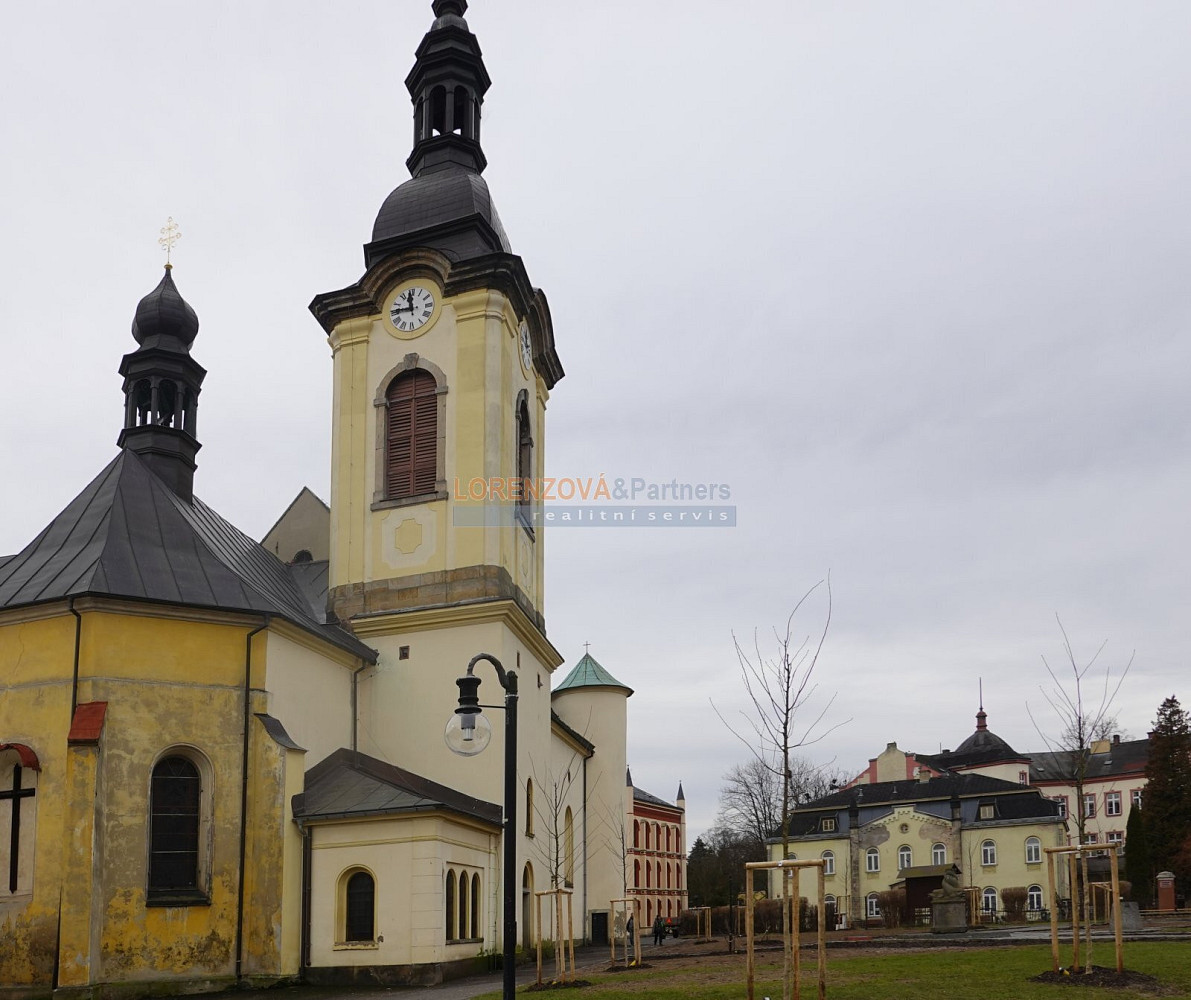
467	734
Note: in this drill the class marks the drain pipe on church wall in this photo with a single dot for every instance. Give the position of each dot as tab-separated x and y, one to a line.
78	638
356	704
244	791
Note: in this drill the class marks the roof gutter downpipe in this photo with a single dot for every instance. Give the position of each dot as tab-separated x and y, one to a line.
244	794
78	636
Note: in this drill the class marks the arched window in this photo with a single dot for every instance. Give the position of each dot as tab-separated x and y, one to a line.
568	827
637	874
475	906
525	472
648	831
465	930
872	860
1034	898
988	853
411	439
828	862
459	108
529	807
938	854
175	815
1033	851
648	875
678	878
657	868
873	906
359	907
667	838
669	876
636	833
905	857
452	925
988	900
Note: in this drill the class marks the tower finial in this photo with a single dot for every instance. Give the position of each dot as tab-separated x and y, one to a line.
981	715
170	234
441	7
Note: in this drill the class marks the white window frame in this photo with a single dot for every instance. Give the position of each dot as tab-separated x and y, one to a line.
828	862
872	906
1089	805
988	854
1033	851
1112	803
989	894
872	860
905	857
1034	898
938	854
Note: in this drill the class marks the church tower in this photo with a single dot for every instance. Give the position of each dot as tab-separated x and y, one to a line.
444	360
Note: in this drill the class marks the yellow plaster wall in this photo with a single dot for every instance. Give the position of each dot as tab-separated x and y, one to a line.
36	662
168	683
473	341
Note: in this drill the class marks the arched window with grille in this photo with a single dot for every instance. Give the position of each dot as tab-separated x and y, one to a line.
411	438
988	853
175	826
988	902
359	907
475	905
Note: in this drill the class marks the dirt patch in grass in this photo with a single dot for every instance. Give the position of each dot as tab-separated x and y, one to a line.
542	987
1138	982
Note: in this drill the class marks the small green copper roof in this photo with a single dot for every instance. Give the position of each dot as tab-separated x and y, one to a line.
588	673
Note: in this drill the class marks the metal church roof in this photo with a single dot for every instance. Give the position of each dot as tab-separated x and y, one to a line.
588	673
129	535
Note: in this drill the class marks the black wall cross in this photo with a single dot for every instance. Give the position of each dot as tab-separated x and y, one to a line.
16	794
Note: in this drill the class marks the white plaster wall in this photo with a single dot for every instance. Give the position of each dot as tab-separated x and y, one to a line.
311	695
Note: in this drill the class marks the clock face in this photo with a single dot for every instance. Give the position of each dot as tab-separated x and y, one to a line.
412	308
526	347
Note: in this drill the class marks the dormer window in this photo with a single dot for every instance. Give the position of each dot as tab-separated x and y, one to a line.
987	810
828	824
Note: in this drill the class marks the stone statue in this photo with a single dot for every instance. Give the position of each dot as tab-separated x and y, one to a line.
950	889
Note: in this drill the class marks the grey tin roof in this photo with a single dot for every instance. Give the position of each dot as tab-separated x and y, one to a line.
129	535
351	785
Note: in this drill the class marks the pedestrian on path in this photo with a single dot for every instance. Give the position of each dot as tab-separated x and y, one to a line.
659	930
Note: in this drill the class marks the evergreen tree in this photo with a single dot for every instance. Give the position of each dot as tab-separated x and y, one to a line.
1168	788
1139	864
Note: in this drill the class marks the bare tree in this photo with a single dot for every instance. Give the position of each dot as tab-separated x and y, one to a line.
1082	705
751	795
780	687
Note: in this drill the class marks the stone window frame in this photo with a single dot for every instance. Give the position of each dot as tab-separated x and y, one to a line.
380	500
341	941
201	894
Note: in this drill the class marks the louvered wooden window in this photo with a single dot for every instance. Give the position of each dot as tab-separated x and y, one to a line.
411	453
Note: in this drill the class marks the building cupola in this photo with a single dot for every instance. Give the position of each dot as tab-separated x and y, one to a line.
161	387
445	205
447	86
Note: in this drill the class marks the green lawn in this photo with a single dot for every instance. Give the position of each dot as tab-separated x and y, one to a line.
1000	973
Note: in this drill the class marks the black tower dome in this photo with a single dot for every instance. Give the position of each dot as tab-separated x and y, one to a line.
446	204
161	387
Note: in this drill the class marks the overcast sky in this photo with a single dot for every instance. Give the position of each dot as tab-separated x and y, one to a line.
911	278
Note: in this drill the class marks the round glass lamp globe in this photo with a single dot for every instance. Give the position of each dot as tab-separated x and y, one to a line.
467	742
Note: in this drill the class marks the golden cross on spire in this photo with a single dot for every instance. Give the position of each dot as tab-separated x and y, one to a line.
170	234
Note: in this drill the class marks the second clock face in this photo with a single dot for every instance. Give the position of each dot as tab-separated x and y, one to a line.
411	309
526	348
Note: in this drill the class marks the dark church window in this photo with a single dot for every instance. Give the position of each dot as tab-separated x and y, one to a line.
524	458
411	461
452	932
361	908
174	821
459	112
